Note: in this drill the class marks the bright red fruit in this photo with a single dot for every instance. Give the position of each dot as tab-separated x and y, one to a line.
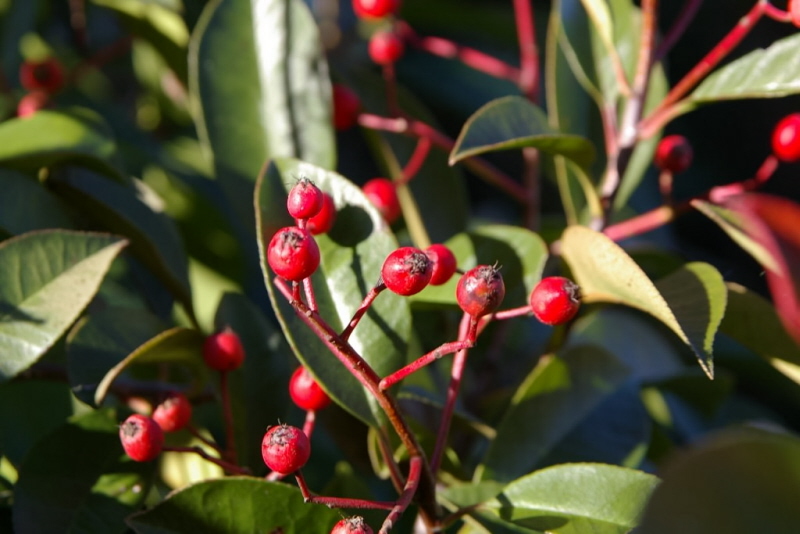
293	253
306	392
383	195
674	154
444	263
31	103
46	75
480	290
141	437
786	138
346	107
323	221
174	413
406	271
352	525
385	47
285	449
375	8
223	351
555	300
304	199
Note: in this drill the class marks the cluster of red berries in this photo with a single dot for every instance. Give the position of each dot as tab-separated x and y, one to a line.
385	46
142	437
41	79
408	270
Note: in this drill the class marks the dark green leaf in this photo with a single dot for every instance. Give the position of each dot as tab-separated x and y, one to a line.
20	194
515	122
48	278
235	505
78	479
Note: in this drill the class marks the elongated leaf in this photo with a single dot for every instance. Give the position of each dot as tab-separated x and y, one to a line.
577	499
78	479
352	255
553	399
20	193
765	73
235	505
607	274
77	136
515	122
47	279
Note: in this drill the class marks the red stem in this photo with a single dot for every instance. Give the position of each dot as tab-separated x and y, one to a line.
362	309
227	466
310	296
777	14
227	414
529	55
390	80
412	483
196	433
388	457
685	17
513	312
339	502
308	425
416	160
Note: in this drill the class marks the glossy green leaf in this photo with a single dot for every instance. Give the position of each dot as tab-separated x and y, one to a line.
47	279
352	255
20	192
764	73
738	482
607	274
131	212
235	505
558	394
752	321
577	498
515	122
78	479
77	136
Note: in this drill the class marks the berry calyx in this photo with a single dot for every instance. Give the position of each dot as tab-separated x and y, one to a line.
293	253
346	107
31	103
46	75
406	271
141	437
305	392
385	47
480	290
674	154
444	263
174	413
304	199
375	9
352	525
786	138
383	195
323	221
285	449
555	300
223	351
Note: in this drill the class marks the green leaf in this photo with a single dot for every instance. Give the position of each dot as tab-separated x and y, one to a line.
607	274
47	138
738	482
78	479
352	256
20	193
47	279
752	321
577	499
235	505
515	122
558	394
764	73
125	210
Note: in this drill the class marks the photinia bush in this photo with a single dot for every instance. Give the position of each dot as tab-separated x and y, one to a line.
592	321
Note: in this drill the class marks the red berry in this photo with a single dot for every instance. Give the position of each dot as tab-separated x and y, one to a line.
375	8
406	271
306	392
46	75
31	103
444	264
323	221
385	47
223	351
293	253
304	199
480	290
383	194
174	413
352	525
285	449
346	107
674	154
555	300
786	138
141	438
